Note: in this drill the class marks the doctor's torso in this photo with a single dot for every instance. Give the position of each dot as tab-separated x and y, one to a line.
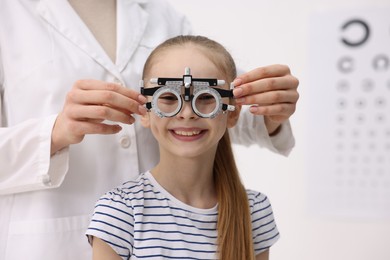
44	48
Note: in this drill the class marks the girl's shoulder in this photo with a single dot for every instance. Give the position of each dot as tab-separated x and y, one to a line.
134	186
129	191
264	230
258	201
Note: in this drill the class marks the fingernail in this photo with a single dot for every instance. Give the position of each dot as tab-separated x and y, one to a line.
237	92
254	109
142	110
237	82
142	99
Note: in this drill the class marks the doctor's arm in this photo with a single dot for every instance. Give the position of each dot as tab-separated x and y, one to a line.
272	94
25	160
26	164
34	153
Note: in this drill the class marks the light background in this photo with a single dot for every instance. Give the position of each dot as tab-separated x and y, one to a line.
259	33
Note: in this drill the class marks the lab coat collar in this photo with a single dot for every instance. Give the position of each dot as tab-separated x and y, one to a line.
60	15
130	30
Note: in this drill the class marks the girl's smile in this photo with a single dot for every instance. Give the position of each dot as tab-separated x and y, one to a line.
187	134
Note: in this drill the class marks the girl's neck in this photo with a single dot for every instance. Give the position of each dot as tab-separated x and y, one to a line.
190	180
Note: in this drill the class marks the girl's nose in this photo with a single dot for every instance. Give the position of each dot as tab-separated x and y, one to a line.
186	111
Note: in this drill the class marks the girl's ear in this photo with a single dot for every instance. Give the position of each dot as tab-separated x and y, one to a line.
145	120
233	116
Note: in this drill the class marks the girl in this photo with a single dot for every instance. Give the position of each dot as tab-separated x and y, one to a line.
192	204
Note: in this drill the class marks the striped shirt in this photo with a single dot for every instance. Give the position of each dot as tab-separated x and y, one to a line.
141	220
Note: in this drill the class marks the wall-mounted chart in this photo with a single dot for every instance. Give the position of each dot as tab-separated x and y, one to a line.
348	159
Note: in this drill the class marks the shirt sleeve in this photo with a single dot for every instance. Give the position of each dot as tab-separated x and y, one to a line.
264	230
113	222
26	164
251	130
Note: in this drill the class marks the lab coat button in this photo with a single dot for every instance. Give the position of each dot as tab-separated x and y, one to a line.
125	141
46	179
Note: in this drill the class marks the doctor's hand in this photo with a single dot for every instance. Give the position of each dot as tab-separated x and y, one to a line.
271	91
88	104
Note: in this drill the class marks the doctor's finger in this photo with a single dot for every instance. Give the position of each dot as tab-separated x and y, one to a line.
269	98
81	128
280	111
276	70
103	97
110	87
265	85
96	113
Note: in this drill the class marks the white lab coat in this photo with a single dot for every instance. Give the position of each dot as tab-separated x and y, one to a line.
46	202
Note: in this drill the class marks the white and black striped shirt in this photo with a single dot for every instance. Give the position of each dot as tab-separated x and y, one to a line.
141	220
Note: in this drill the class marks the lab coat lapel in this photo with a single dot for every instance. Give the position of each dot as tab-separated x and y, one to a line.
131	25
60	15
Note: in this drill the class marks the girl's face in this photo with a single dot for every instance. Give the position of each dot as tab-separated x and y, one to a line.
186	134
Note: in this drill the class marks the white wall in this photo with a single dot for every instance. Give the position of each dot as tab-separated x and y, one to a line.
258	33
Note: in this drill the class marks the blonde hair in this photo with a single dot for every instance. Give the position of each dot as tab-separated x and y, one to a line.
234	221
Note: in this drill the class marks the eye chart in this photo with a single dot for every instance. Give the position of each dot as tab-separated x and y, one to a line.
348	131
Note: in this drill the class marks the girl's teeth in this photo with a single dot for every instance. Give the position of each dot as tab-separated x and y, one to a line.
191	133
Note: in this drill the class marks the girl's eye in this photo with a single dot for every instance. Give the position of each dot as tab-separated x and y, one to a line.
167	98
206	97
